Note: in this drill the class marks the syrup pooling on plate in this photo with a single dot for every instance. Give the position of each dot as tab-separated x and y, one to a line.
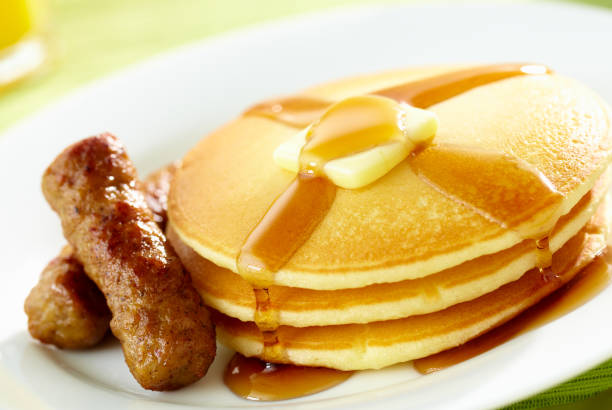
587	284
296	213
253	379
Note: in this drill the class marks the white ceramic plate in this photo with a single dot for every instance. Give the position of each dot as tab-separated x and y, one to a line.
162	107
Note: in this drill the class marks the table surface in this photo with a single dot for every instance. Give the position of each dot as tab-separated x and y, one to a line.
88	39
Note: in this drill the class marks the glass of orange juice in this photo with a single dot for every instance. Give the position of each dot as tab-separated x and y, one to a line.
21	47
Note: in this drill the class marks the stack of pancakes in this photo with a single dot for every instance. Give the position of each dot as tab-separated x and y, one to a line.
450	243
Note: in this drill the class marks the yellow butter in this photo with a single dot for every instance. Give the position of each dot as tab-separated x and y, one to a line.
361	169
415	128
417	125
287	154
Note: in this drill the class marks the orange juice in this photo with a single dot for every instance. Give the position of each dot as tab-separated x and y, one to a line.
22	47
15	21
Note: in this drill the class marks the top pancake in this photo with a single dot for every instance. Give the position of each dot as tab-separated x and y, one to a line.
401	226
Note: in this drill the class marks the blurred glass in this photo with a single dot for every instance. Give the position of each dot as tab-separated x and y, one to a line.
21	47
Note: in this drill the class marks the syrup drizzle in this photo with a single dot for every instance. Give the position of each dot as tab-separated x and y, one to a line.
296	213
295	111
265	314
502	188
266	318
429	91
303	110
287	224
253	379
594	278
544	261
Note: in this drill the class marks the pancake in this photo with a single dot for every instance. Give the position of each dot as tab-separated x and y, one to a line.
535	144
482	193
379	344
230	294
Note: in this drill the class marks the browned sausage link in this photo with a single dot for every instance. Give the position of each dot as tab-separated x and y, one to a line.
165	330
156	187
65	308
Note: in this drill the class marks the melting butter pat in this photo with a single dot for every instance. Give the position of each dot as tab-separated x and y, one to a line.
366	167
287	154
412	128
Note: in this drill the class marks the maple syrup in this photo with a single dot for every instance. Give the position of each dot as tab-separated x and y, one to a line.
587	284
433	90
511	185
253	379
501	188
286	225
303	110
294	111
296	213
265	315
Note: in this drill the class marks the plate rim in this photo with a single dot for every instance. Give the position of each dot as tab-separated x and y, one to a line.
228	36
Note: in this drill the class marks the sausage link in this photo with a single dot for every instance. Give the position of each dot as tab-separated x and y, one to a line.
66	308
156	188
164	329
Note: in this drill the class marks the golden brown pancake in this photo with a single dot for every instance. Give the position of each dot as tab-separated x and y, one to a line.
451	242
230	294
379	344
402	227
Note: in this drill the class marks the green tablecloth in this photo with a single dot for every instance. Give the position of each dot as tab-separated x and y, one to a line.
90	38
